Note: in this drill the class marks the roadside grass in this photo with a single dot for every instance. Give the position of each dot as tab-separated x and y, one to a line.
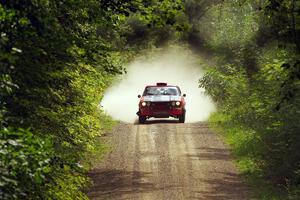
244	147
101	146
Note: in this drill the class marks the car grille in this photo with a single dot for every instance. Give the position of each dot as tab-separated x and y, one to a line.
160	105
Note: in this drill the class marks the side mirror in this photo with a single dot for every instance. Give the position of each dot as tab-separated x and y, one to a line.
184	95
139	96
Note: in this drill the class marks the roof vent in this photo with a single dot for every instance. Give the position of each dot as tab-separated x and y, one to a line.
161	84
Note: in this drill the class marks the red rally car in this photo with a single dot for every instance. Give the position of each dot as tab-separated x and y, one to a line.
161	101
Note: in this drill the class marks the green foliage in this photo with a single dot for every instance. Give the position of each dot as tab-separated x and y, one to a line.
234	26
261	118
256	84
55	69
57	58
245	146
149	23
225	82
68	185
25	164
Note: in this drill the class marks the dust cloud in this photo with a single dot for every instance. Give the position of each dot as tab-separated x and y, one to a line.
176	66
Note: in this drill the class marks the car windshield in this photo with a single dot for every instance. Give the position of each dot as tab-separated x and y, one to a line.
152	90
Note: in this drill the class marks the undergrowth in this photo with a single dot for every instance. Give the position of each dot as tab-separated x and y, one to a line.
244	149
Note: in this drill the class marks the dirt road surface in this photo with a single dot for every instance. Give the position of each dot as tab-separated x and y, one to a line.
166	161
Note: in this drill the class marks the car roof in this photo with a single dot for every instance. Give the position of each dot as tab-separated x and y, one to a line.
161	84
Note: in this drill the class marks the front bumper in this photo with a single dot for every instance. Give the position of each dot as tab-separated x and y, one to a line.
160	113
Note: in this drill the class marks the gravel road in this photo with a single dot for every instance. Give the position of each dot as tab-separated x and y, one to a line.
166	161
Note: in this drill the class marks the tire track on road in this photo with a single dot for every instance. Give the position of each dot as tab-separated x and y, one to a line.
162	161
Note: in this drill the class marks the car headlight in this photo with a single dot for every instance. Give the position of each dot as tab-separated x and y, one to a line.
144	104
148	103
177	103
173	103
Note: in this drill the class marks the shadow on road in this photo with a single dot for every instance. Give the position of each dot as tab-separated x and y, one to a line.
114	183
206	153
227	187
167	161
158	121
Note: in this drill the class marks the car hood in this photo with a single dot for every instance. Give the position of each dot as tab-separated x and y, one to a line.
161	98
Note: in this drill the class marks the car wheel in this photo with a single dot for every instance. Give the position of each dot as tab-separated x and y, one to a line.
182	118
142	119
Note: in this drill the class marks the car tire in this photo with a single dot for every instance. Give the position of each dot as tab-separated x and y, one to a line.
182	118
142	119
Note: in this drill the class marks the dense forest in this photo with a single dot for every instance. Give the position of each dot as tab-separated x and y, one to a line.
58	57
